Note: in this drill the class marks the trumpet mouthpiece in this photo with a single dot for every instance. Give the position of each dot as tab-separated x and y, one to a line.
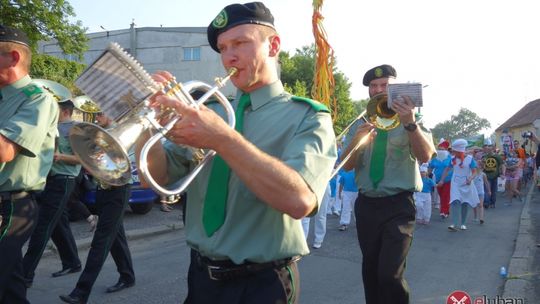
232	71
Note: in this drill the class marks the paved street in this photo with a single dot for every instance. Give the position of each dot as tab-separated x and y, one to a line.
440	262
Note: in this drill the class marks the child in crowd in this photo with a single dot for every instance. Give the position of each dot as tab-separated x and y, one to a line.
482	187
423	199
348	191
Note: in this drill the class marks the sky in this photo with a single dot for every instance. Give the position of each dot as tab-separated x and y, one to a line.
476	54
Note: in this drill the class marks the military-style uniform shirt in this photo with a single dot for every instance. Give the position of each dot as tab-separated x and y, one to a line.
292	131
28	117
401	172
64	147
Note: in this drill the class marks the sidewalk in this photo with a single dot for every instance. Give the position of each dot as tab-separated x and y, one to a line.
137	226
522	265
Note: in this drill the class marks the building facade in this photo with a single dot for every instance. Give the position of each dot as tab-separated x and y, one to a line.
527	119
183	51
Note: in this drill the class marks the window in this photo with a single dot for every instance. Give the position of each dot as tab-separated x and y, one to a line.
192	54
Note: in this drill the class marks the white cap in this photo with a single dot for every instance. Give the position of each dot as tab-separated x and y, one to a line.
488	142
459	145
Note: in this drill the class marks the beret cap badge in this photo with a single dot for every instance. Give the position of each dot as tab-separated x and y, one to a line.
378	72
221	20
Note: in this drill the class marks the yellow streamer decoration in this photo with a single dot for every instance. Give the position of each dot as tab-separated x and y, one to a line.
323	78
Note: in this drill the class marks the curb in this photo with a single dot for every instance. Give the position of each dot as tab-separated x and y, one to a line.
131	235
521	261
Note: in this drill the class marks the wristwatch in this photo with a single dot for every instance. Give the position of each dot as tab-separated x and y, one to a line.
411	127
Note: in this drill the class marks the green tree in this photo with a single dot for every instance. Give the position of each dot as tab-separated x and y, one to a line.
43	20
297	77
55	69
463	125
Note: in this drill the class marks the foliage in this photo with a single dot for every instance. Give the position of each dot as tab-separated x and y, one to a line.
43	20
297	76
463	125
55	69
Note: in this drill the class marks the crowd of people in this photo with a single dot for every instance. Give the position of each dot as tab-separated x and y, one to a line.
247	216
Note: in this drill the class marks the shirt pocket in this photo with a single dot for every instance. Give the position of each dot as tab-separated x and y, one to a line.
398	148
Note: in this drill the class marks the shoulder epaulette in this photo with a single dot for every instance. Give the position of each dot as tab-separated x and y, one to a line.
31	90
315	105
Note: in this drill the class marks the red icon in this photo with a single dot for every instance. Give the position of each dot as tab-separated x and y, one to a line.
458	297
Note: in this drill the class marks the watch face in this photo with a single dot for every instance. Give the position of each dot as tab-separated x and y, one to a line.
410	126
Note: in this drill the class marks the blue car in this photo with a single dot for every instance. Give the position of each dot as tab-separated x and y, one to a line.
141	200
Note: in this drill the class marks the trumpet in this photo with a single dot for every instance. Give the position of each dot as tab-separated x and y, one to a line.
379	114
121	88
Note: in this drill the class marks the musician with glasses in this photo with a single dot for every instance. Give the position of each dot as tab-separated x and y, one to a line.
243	216
387	174
27	132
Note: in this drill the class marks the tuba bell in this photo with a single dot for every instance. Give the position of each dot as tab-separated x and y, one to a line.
121	88
87	107
59	92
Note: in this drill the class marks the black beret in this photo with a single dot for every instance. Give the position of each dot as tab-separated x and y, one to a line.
382	71
237	14
9	34
66	102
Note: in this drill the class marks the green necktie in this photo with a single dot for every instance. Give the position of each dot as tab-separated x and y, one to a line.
217	191
378	156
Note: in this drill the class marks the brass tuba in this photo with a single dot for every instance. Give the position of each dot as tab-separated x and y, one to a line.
59	92
87	107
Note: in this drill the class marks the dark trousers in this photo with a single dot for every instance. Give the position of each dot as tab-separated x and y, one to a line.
493	197
53	222
18	220
385	229
269	286
108	237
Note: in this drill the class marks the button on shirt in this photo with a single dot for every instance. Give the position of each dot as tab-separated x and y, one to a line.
30	122
253	231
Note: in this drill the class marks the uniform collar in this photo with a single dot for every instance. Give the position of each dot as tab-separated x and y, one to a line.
14	88
262	96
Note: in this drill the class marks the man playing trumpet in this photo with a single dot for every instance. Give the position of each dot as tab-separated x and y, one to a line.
270	171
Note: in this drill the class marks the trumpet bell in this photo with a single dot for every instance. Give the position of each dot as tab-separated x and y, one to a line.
104	153
380	114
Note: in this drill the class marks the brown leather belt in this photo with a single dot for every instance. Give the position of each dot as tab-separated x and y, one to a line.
13	195
227	270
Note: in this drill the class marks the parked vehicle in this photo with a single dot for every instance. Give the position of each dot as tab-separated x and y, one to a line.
141	199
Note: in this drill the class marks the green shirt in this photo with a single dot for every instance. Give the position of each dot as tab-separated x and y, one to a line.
64	147
291	131
401	171
28	117
492	165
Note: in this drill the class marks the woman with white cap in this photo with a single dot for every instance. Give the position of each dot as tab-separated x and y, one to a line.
462	191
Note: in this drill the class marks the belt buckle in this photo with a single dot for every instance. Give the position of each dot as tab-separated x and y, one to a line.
211	269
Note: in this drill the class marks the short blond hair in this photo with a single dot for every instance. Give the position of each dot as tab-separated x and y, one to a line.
23	50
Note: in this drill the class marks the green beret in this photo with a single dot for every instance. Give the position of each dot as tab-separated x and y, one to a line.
9	34
237	14
382	71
